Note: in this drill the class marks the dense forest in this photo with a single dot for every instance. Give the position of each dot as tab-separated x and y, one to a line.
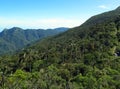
14	39
85	57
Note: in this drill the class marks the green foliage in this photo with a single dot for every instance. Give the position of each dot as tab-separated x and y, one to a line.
85	57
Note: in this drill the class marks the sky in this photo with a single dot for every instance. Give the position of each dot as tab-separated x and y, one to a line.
51	13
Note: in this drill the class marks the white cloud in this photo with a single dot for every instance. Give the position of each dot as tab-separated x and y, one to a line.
102	7
39	23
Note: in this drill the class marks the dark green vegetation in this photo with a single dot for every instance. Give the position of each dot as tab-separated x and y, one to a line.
85	57
16	38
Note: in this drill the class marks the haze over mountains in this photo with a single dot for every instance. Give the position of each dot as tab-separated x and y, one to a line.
84	57
16	38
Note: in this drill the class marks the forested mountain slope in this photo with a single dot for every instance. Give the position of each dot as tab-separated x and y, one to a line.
85	57
16	38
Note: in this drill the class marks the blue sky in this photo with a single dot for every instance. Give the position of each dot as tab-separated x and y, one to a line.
50	13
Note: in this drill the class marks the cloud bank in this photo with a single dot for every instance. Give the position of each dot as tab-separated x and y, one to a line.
102	7
39	23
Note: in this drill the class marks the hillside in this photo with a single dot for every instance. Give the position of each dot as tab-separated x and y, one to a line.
85	57
16	38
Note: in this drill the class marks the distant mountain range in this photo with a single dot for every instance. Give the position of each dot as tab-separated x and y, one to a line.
16	38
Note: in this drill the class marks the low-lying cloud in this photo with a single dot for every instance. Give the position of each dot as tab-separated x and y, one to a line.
102	7
40	23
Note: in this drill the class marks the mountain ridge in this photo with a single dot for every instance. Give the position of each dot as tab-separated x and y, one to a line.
16	38
103	17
